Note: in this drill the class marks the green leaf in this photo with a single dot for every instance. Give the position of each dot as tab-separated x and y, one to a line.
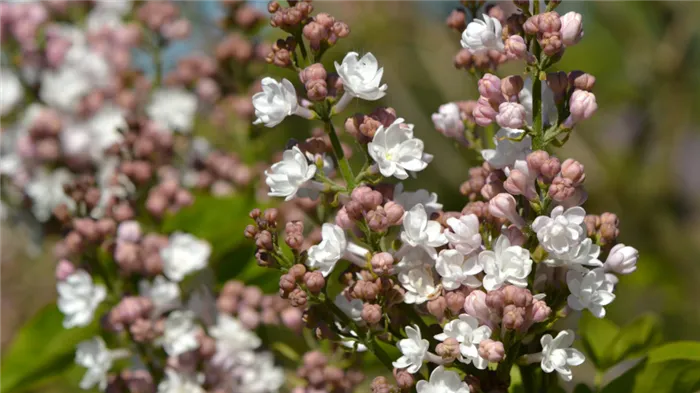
679	350
40	350
596	336
635	339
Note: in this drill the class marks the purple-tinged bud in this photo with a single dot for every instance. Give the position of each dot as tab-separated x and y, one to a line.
314	282
287	283
551	43
343	220
382	263
581	80
571	28
490	87
291	318
490	190
86	228
504	206
521	297
298	298
516	48
514	235
457	20
448	349
574	171
540	311
127	257
316	90
297	271
437	307
491	350
496	300
558	82
511	86
371	313
513	317
518	183
377	220
370	200
561	189
484	114
207	346
475	305
511	115
129	231
394	212
313	72
404	379
249	317
622	259
365	290
252	296
536	159
380	385
582	106
65	268
263	240
550	169
532	25
549	22
455	301
358	193
177	30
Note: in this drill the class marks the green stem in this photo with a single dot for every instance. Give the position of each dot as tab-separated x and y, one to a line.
343	163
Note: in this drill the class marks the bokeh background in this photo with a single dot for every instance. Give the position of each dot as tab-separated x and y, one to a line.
641	151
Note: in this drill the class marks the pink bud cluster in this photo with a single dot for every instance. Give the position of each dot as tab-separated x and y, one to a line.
484	182
167	197
253	308
320	375
498	101
318	83
604	227
323	29
222	173
508	308
22	22
164	18
363	127
367	205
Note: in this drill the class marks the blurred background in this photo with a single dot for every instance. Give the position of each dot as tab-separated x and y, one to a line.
641	150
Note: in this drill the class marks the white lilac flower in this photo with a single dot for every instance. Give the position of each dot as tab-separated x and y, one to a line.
414	350
463	234
361	77
180	333
78	298
557	354
286	177
351	307
469	334
412	257
46	192
507	151
12	91
563	235
457	270
104	128
589	290
419	284
232	338
173	109
396	151
622	259
276	101
449	121
181	382
260	375
184	254
97	359
328	252
164	294
409	199
505	264
481	35
418	231
443	381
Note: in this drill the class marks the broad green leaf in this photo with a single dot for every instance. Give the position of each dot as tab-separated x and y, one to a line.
634	339
40	350
679	350
597	335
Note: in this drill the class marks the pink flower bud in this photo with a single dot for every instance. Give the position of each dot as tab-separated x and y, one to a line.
64	268
571	28
455	301
518	183
313	72
581	80
314	282
550	169
129	231
475	305
561	189
511	86
343	220
540	311
404	379
582	106
371	313
573	170
516	48
504	205
208	90
558	82
377	220
492	351
513	317
437	307
515	235
536	159
177	30
511	115
549	22
484	114
382	263
394	213
490	87
292	318
448	349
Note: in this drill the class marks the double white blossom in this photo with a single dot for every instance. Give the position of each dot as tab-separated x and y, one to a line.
180	333
46	192
181	382
97	359
286	177
259	375
418	231
361	77
563	235
469	334
409	199
463	234
232	339
481	35
276	101
11	93
449	121
78	298
184	254
457	270
414	350
164	294
505	264
442	381
328	252
396	151
507	151
173	109
589	290
419	283
557	354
